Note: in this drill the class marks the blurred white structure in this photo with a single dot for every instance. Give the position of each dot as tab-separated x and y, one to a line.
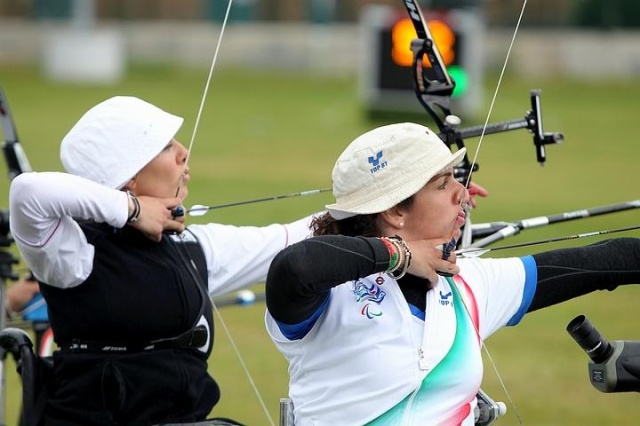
82	53
330	48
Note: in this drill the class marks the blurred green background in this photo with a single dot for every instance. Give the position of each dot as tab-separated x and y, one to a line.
265	133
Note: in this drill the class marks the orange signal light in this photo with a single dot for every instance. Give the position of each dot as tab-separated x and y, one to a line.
403	33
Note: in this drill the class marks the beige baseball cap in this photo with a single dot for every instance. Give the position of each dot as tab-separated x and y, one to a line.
115	139
385	166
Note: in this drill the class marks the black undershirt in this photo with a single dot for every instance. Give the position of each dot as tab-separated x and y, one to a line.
301	276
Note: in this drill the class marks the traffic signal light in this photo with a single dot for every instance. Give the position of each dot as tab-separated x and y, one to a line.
386	83
447	42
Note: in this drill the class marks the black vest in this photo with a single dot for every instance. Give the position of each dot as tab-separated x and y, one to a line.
137	292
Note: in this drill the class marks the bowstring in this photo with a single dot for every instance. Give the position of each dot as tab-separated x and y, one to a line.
475	158
495	93
205	92
243	364
214	60
218	314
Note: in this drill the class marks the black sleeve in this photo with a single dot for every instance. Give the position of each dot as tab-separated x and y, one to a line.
301	276
568	273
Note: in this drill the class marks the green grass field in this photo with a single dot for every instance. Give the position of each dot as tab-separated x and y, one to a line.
263	134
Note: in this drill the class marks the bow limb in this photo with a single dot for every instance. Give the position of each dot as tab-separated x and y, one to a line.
14	155
17	163
433	85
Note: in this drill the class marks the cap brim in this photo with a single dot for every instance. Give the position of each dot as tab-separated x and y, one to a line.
341	212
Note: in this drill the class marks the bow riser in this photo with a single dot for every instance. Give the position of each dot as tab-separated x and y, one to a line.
435	96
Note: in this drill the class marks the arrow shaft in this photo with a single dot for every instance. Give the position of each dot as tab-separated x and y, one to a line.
578	214
259	200
570	237
475	252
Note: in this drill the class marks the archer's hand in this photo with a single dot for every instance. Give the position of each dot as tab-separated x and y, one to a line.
20	293
476	190
156	217
426	260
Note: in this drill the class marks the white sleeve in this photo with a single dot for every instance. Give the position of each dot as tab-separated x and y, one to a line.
239	256
42	207
500	288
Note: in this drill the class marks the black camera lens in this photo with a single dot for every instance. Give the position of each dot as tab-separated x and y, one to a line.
589	339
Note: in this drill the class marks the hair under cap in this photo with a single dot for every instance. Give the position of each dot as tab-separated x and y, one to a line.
385	166
115	139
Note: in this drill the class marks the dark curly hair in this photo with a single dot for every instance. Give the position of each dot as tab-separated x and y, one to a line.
362	225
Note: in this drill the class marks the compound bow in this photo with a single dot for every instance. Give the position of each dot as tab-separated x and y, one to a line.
435	96
434	88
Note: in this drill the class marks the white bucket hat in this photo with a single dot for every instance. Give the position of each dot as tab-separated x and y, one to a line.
115	139
385	166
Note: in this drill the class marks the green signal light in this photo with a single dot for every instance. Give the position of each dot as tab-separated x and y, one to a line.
461	78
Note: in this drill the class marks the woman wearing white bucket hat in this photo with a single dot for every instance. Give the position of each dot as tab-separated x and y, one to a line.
128	299
373	333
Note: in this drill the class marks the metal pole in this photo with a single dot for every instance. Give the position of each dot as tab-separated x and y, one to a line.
286	412
3	354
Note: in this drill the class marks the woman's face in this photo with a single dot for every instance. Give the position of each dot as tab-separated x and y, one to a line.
165	176
437	210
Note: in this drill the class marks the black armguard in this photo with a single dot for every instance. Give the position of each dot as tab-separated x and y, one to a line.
567	273
302	275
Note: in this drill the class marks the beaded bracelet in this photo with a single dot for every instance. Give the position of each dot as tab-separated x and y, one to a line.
394	256
136	208
406	258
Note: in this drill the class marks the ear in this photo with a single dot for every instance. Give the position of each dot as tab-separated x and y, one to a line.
131	185
394	217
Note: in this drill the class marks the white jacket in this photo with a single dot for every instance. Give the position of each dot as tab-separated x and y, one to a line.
368	360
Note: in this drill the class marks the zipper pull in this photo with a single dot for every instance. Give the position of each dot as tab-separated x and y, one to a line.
422	362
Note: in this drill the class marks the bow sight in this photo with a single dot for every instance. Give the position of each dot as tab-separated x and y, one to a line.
434	86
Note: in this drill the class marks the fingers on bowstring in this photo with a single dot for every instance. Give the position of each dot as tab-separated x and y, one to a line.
177	213
447	269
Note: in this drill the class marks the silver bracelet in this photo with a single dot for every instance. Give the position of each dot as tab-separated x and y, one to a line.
401	272
136	208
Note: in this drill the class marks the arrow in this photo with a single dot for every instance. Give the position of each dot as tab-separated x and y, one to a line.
199	210
472	252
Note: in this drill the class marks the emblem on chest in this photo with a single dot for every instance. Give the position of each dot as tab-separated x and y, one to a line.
370	295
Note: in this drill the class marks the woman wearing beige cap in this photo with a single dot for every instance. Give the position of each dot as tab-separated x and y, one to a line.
375	329
128	297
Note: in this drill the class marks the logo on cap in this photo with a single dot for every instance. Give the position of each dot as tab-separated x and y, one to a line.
376	163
